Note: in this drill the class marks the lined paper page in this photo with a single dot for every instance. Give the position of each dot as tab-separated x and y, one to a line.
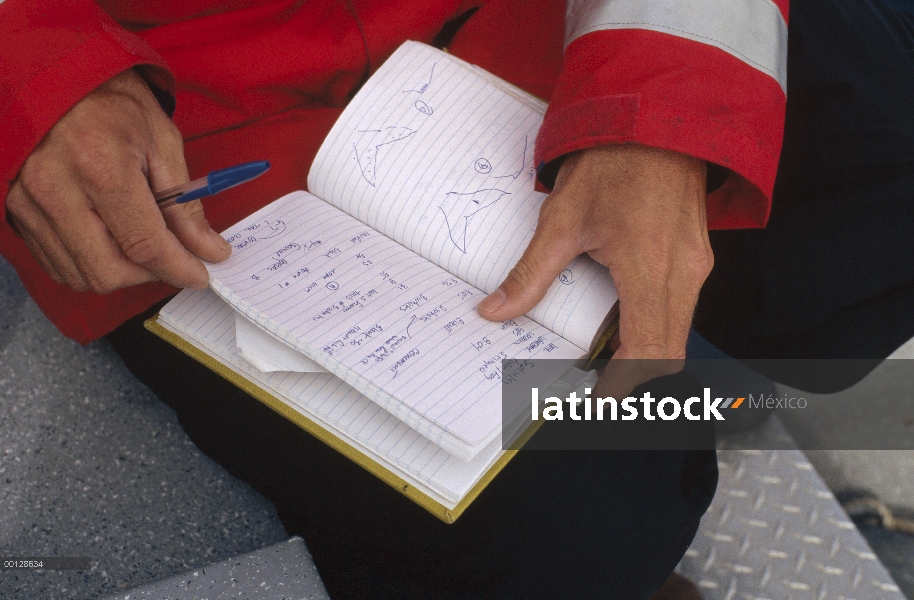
268	354
435	156
202	316
401	330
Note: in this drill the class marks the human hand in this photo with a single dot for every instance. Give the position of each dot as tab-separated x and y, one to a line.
640	212
83	201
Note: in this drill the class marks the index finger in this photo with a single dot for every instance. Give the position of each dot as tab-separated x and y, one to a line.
131	214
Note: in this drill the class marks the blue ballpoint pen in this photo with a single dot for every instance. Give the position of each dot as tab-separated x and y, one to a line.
213	183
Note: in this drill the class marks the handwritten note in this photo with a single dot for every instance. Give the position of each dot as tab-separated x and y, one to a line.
202	316
438	155
398	328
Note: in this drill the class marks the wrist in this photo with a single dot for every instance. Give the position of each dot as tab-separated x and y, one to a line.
157	82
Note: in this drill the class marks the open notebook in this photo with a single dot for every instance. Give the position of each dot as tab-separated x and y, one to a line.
422	201
203	325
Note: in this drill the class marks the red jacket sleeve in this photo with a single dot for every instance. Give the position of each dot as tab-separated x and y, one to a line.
53	53
704	78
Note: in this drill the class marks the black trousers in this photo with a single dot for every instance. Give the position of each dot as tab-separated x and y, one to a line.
553	524
832	274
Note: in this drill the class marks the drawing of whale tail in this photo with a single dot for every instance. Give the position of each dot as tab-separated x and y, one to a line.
460	207
368	148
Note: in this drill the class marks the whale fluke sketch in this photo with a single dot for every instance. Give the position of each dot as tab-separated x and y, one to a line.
422	85
369	144
459	209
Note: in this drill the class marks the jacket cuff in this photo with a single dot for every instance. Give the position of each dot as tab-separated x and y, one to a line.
654	89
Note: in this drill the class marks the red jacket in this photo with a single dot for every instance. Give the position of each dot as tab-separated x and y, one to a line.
265	80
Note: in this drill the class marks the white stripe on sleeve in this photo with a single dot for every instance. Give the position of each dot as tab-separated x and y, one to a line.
753	31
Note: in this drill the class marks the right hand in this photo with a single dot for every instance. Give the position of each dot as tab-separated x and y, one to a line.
640	212
83	201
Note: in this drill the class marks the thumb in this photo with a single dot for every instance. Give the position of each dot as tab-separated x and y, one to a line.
192	229
546	256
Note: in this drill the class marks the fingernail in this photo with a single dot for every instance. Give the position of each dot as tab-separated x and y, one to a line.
220	240
493	301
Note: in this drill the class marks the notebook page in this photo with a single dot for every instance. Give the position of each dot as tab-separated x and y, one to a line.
203	317
393	325
268	354
435	156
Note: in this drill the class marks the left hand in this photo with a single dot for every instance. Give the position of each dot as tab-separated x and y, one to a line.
639	211
83	201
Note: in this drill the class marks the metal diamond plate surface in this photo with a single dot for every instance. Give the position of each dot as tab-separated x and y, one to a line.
776	532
